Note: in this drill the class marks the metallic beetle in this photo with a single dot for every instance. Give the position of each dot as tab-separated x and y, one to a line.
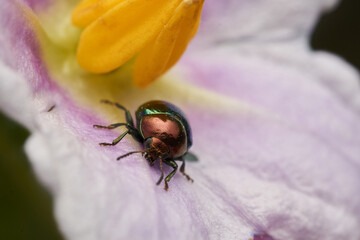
164	132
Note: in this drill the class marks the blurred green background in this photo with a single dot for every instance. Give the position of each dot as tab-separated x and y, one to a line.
26	209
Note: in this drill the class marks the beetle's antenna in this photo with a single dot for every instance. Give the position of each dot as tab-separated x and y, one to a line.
129	153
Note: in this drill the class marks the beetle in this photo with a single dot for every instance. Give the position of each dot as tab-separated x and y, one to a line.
164	132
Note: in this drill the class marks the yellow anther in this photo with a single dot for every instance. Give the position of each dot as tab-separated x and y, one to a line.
158	31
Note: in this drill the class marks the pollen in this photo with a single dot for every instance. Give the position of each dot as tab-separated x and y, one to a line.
155	32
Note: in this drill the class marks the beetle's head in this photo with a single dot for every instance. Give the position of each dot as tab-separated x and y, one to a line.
154	149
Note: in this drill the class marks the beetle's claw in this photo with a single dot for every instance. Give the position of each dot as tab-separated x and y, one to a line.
189	179
166	187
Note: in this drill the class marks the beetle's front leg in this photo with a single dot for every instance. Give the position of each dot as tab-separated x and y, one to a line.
113	126
116	140
172	164
131	130
162	172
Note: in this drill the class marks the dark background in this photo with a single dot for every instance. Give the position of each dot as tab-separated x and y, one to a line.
339	32
26	210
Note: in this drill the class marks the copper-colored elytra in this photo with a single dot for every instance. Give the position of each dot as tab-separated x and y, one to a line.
153	125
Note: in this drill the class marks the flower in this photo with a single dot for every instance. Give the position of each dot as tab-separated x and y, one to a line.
158	30
274	126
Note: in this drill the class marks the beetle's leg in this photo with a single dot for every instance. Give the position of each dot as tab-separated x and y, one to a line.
131	130
111	126
182	170
115	141
135	133
162	172
128	116
172	164
129	120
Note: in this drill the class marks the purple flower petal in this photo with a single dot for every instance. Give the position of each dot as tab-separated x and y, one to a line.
38	4
277	143
262	237
273	89
232	22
